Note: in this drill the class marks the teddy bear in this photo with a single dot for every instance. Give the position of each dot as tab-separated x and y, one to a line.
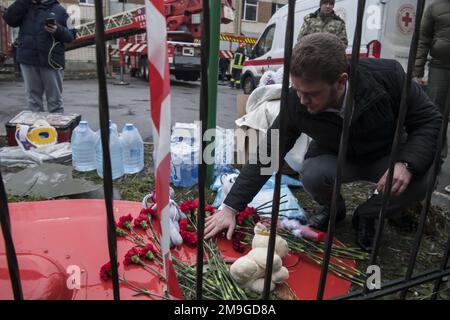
175	214
249	271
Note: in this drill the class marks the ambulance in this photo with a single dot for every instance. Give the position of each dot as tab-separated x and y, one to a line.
388	26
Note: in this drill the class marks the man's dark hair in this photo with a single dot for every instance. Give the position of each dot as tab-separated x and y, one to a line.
327	1
319	56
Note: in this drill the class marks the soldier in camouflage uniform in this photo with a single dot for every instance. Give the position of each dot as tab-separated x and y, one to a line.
324	20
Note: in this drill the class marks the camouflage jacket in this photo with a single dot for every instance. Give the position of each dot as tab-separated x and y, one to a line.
317	22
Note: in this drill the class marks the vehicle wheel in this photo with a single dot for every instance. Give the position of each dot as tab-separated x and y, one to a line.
142	71
145	75
178	76
192	77
248	85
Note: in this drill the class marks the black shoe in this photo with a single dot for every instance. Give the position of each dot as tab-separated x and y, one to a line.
365	232
320	220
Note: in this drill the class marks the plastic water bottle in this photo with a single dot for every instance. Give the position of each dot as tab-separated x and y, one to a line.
133	149
184	166
83	147
115	150
114	127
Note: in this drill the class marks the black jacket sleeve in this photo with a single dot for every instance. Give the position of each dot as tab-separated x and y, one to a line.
422	124
250	180
15	13
64	34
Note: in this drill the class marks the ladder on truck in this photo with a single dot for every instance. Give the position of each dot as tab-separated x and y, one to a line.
126	23
129	23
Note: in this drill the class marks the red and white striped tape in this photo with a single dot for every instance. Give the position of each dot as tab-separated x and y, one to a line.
158	66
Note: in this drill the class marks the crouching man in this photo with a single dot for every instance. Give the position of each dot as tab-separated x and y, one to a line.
320	76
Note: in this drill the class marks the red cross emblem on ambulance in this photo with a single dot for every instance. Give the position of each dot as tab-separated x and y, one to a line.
406	16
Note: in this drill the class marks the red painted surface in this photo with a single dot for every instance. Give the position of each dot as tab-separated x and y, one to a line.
49	236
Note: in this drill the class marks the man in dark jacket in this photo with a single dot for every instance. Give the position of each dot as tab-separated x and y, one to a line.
319	75
40	52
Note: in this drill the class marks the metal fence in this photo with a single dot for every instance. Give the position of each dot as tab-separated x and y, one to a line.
396	286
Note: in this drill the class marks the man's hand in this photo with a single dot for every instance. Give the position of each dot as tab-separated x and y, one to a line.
51	28
402	178
224	219
420	81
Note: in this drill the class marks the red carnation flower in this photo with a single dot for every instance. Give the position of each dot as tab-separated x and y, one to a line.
236	241
148	252
190	239
148	212
105	271
132	256
141	222
125	221
194	204
186	206
210	208
183	224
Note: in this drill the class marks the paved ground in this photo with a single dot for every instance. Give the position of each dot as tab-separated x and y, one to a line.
131	104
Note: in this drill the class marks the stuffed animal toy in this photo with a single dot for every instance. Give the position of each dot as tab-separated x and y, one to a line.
175	215
249	270
227	181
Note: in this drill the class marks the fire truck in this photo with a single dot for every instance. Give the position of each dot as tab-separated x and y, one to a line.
183	19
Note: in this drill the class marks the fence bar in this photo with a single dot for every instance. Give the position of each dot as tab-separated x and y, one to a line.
444	128
11	257
398	134
397	285
289	43
431	183
444	263
202	165
213	73
104	130
349	106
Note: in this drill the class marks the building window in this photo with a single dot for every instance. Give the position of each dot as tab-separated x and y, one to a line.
250	10
87	2
276	7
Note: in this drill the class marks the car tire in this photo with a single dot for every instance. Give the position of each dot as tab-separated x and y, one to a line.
248	85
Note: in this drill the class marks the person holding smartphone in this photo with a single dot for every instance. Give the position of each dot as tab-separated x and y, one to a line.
40	49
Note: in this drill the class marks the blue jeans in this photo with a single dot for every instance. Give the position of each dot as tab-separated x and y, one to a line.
40	80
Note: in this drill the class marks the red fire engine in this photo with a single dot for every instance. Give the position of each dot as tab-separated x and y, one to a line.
183	29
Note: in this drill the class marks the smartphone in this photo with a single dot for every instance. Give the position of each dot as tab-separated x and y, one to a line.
50	22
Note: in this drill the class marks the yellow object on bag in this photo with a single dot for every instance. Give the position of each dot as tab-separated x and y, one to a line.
39	135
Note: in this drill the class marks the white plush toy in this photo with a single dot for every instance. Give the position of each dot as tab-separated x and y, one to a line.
249	270
175	215
227	182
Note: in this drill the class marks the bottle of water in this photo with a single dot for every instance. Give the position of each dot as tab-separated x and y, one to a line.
133	149
184	166
83	148
115	150
114	127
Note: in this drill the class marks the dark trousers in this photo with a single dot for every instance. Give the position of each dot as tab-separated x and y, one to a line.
236	77
438	84
318	175
223	74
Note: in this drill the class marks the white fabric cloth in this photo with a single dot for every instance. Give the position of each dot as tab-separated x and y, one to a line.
262	108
